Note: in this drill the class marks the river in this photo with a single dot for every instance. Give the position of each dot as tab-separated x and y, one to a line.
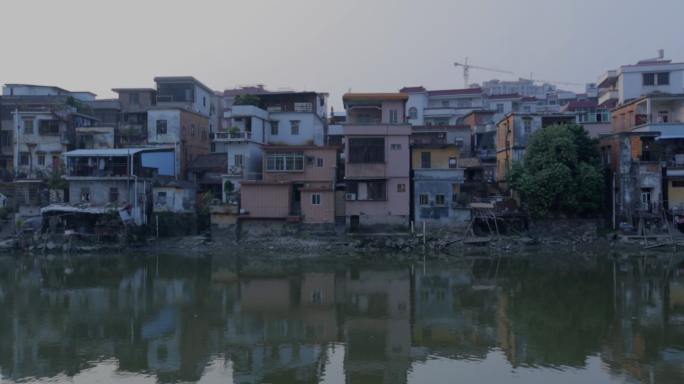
477	318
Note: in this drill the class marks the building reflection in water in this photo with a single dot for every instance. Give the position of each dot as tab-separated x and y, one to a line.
176	318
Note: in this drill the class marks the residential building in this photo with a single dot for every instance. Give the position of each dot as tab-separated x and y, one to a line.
38	98
437	179
377	157
107	111
596	120
278	119
206	172
646	76
133	129
521	86
506	103
483	135
514	130
297	186
442	107
646	147
174	196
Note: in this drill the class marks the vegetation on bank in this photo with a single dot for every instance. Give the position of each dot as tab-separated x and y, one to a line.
561	173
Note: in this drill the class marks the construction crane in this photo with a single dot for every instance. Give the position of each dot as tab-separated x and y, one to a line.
466	68
553	82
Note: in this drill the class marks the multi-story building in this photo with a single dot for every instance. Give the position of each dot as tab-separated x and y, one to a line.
442	107
596	120
297	186
52	124
513	132
277	119
133	128
377	157
181	119
437	178
647	135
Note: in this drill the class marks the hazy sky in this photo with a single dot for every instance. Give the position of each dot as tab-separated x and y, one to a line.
328	46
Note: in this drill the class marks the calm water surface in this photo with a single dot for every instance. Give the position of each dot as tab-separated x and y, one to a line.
473	319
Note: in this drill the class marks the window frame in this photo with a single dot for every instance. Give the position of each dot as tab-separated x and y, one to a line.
393	116
369	150
439	197
294	127
316	199
162	127
499	108
134	95
527	126
424	199
395	147
413	113
29	128
24	159
192	130
319	162
378	189
113	194
239	160
274	128
284	161
445	103
41	159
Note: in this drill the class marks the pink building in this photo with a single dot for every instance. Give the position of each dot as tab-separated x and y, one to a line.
297	185
377	158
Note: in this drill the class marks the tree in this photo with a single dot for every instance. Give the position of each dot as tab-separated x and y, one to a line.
246	99
560	172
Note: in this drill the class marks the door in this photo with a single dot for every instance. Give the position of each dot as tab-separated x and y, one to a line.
354	224
646	198
425	159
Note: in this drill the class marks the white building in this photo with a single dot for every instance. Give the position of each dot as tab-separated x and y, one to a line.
443	107
279	119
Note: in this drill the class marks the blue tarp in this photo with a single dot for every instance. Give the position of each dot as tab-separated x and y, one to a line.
164	161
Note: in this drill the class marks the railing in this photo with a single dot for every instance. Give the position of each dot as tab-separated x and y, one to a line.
241	135
484	154
659	118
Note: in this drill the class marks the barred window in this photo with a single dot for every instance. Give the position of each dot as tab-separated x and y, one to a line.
274	128
28	126
368	190
367	150
161	127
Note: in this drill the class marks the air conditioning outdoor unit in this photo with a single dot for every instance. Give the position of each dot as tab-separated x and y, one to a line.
350	196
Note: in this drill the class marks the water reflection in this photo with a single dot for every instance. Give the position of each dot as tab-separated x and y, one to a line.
171	319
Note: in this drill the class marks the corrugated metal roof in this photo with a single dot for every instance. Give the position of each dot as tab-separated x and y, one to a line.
113	152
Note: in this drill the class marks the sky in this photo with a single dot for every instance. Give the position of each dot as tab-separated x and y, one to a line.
329	46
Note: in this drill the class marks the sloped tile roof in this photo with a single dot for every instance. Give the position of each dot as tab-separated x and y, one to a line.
469	162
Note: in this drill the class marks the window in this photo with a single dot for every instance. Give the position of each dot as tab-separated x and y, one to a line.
192	130
395	147
425	159
113	195
7	138
316	296
319	162
648	78
363	118
413	113
464	104
393	116
204	133
212	147
440	200
284	161
677	183
28	126
526	108
41	159
367	150
315	199
134	98
24	160
161	127
161	198
401	187
239	160
424	199
294	124
274	128
445	104
204	101
368	190
499	108
48	127
184	130
527	126
663	78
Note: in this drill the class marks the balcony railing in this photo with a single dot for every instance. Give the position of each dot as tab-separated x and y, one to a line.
659	118
233	136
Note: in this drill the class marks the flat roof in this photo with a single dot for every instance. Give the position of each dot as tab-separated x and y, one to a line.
33	85
288	147
117	90
186	79
375	96
113	152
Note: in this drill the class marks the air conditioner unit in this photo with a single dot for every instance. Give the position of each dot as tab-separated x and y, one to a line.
350	196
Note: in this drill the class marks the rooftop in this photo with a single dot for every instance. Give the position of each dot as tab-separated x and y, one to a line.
209	161
579	104
506	96
412	89
182	79
447	92
469	162
33	85
118	90
375	96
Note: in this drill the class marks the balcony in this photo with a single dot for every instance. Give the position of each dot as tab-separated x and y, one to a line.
439	112
607	79
248	111
232	136
670	125
610	97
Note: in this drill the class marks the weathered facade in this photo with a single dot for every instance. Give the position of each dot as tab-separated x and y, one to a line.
377	157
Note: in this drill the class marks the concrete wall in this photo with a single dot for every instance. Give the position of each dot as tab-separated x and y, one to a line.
145	98
47	145
418	101
311	129
267	200
102	137
439	157
99	188
224	220
675	194
311	170
397	161
630	81
176	200
564	228
318	214
433	182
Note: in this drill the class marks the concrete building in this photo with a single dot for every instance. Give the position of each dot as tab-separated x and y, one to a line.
377	157
278	119
297	186
437	179
513	132
39	102
133	128
596	120
442	107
